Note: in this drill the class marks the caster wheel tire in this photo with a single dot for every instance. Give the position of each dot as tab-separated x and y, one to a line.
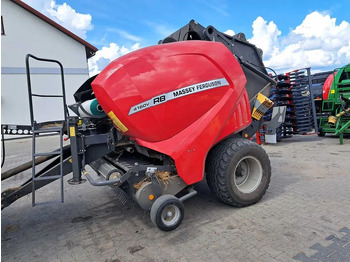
167	212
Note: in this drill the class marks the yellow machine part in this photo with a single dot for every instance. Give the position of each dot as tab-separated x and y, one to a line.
332	120
262	104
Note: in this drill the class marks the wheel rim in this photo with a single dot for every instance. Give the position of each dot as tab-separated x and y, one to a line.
248	174
170	215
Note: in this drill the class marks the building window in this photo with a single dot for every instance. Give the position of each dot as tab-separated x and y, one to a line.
2	27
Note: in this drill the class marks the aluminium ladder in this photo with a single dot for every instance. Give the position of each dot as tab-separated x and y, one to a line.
46	128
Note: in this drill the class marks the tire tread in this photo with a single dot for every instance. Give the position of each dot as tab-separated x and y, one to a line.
218	162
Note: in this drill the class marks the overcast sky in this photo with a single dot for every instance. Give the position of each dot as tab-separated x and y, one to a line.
293	34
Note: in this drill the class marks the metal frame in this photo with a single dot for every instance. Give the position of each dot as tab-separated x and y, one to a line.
312	99
92	153
45	127
28	56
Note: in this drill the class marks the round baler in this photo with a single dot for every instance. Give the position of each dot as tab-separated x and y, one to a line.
184	100
158	120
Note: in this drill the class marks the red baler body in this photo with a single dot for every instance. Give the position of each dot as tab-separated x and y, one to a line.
179	99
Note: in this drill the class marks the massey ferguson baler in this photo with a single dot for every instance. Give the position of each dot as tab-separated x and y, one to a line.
160	119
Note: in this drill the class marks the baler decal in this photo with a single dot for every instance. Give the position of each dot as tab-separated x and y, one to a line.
183	91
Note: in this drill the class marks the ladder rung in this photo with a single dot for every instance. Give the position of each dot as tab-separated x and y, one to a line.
47	178
47	130
48	202
48	153
47	95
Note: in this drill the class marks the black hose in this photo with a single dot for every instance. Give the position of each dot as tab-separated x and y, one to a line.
3	149
251	67
264	67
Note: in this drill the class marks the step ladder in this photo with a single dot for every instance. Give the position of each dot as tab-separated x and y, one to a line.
50	127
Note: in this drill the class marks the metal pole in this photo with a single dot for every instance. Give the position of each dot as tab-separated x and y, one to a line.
18	169
312	99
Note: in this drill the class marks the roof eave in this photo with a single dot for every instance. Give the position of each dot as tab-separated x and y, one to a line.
90	49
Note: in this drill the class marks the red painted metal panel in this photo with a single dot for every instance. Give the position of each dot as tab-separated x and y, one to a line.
327	86
178	98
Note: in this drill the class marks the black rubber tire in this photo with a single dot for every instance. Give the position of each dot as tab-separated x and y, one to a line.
220	167
321	134
160	205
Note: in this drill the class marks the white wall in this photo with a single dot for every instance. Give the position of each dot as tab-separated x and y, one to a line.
14	98
26	33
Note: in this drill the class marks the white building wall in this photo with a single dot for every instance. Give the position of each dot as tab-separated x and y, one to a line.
25	33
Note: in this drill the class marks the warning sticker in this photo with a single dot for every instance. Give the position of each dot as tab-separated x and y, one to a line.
72	131
117	122
184	91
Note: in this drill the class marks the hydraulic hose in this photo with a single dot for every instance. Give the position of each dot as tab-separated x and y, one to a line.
3	148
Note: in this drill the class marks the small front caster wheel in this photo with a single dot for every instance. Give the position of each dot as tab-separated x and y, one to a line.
167	212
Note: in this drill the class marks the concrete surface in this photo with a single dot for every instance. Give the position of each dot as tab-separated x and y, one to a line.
304	216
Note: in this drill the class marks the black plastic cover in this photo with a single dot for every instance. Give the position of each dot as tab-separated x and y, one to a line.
246	53
85	92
